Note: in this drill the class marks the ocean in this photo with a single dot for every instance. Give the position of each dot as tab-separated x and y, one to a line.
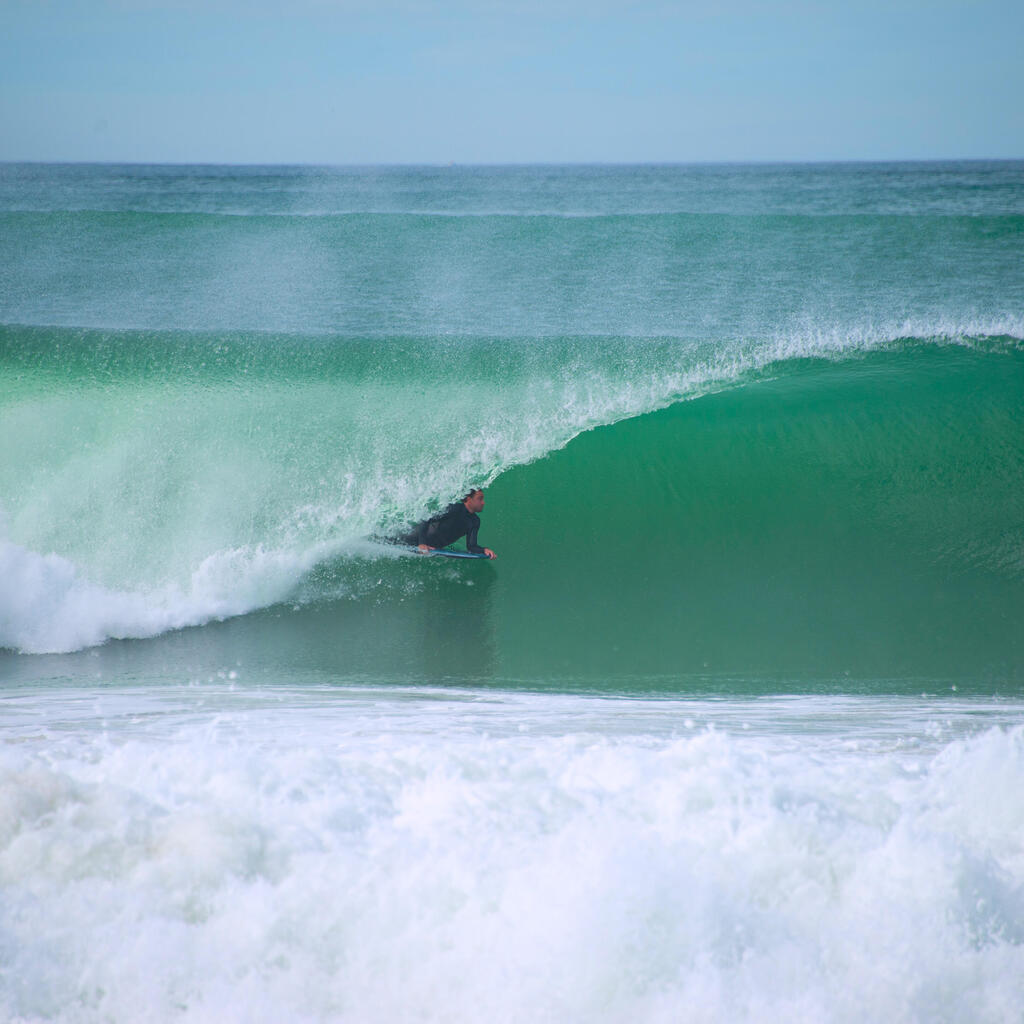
731	730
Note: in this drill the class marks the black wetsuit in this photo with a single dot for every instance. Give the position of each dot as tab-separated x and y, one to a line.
456	521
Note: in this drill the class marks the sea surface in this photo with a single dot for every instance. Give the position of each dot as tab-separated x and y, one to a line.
733	728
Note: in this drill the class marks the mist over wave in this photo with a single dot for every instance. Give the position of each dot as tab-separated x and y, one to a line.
699	276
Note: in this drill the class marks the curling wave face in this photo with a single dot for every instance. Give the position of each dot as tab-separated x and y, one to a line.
801	495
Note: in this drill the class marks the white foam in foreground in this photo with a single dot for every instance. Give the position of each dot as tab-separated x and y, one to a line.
394	856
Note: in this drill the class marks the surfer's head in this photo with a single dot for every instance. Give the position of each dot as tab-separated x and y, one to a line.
474	501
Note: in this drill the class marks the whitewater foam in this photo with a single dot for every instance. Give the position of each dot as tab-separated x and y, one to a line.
203	855
48	607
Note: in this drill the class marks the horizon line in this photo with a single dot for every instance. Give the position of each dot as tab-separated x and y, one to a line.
354	165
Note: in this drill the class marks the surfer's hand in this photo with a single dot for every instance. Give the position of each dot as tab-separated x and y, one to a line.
489	553
425	547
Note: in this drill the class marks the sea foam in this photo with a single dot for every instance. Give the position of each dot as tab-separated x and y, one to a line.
377	856
48	607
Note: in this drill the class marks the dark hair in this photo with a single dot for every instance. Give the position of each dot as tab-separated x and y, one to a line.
475	490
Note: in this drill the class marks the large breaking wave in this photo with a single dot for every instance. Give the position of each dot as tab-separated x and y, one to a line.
822	483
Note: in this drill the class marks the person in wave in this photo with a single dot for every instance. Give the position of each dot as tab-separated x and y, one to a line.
460	519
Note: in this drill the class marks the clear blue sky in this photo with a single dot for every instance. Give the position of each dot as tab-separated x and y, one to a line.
410	81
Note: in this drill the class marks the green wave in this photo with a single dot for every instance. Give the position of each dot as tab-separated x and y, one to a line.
661	510
830	522
862	517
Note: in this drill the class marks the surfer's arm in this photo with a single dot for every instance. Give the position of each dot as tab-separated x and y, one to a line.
471	544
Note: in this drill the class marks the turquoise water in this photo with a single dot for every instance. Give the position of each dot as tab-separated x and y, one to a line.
743	688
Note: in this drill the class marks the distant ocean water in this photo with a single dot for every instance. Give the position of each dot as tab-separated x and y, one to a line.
732	730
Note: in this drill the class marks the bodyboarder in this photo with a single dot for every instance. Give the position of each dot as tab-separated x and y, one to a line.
460	519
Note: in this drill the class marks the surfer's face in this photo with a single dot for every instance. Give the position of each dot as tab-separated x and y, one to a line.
476	502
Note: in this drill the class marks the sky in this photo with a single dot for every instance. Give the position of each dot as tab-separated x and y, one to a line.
592	81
